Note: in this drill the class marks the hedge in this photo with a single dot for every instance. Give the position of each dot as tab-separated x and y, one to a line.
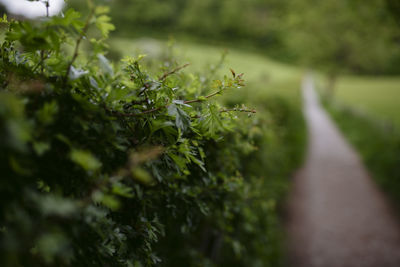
130	163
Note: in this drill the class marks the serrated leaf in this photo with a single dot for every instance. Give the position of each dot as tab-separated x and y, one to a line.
104	25
211	122
182	120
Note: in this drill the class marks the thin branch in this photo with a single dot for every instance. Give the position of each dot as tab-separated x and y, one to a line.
163	77
146	86
200	100
77	44
47	8
230	110
120	114
166	74
239	110
42	52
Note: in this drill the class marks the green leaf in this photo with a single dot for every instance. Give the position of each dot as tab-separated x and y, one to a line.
179	161
104	25
182	120
211	122
85	159
102	10
56	205
41	147
122	190
107	200
142	176
47	113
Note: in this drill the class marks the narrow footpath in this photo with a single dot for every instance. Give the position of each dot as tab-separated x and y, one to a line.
337	217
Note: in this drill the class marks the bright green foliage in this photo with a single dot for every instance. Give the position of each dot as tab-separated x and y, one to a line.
133	163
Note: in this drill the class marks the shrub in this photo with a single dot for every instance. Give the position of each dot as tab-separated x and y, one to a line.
129	164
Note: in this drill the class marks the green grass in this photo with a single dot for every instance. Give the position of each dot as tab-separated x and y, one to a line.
365	109
379	97
262	75
378	145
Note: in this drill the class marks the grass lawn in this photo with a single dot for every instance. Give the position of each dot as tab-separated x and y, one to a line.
376	96
261	74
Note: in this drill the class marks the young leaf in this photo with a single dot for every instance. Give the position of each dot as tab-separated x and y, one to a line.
182	120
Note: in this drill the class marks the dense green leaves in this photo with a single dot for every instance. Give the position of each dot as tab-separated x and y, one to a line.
127	163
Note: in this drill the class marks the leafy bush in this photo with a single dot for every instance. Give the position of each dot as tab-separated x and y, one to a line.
133	163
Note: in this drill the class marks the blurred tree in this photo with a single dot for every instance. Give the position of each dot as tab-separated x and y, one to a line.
2	9
394	8
338	36
253	22
332	35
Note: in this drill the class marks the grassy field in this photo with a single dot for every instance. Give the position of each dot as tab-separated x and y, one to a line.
261	74
378	97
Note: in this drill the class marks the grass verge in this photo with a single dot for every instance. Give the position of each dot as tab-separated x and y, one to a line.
379	97
377	143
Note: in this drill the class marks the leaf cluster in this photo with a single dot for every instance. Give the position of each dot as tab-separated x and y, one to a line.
129	163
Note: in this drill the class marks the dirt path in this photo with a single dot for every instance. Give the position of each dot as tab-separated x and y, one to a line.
337	216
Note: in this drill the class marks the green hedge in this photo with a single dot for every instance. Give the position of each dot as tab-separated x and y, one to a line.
134	163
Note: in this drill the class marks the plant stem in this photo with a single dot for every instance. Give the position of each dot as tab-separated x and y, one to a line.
119	114
200	100
239	110
77	44
166	74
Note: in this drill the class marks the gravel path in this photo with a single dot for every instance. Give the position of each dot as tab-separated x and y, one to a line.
337	217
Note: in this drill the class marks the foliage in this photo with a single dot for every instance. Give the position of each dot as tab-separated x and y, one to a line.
359	37
253	23
378	144
131	164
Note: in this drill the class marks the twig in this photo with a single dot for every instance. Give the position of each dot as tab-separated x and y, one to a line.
120	114
42	52
239	110
47	8
200	100
78	42
166	74
230	110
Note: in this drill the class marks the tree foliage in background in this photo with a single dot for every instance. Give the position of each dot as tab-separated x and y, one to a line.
253	23
333	36
342	36
131	164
